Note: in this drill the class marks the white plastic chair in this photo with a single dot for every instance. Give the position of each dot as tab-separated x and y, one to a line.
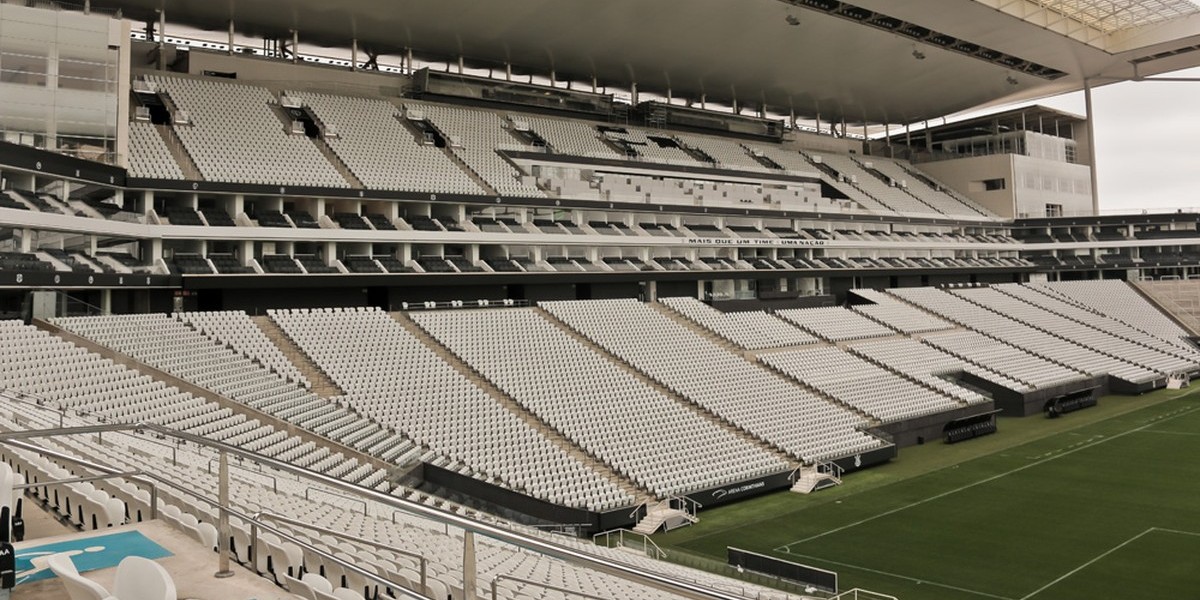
78	587
143	579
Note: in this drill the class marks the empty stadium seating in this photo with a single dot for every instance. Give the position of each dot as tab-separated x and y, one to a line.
762	404
835	323
236	134
867	387
390	376
380	150
751	330
649	437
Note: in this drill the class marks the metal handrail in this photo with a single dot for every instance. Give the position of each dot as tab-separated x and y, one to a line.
341	534
541	585
40	403
337	495
600	564
131	475
274	480
647	543
16	439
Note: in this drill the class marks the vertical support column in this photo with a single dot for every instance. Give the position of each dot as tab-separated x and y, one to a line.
295	46
633	93
230	52
354	54
330	253
246	252
460	64
408	57
1091	131
223	533
106	302
508	72
468	576
162	38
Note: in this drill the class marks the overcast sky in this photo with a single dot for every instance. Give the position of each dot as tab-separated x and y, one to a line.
1147	142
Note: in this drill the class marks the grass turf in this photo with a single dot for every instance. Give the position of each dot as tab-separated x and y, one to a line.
1100	503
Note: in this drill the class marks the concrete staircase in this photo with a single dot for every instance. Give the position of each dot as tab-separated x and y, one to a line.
701	331
322	385
663	516
190	171
718	421
624	483
812	478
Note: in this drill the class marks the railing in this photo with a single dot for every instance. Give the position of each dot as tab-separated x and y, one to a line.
648	547
831	469
521	540
336	495
132	475
542	585
861	594
76	307
710	564
16	439
421	560
687	505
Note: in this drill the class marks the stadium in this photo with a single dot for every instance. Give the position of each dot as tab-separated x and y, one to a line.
787	299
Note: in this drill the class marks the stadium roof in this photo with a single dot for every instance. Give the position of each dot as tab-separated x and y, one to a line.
873	61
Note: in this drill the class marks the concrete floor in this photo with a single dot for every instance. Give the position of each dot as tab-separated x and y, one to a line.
191	566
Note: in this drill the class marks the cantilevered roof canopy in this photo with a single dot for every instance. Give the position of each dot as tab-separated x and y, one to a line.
870	61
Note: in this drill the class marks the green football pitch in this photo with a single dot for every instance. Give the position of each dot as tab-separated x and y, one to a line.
1102	503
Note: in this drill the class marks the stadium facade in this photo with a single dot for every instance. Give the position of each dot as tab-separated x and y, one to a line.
696	272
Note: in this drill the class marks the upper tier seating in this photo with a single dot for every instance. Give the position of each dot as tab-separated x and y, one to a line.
381	151
575	138
941	200
389	375
752	330
148	154
595	403
747	396
235	134
729	154
894	197
481	134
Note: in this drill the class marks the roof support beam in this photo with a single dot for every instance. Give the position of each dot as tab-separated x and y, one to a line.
1091	129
